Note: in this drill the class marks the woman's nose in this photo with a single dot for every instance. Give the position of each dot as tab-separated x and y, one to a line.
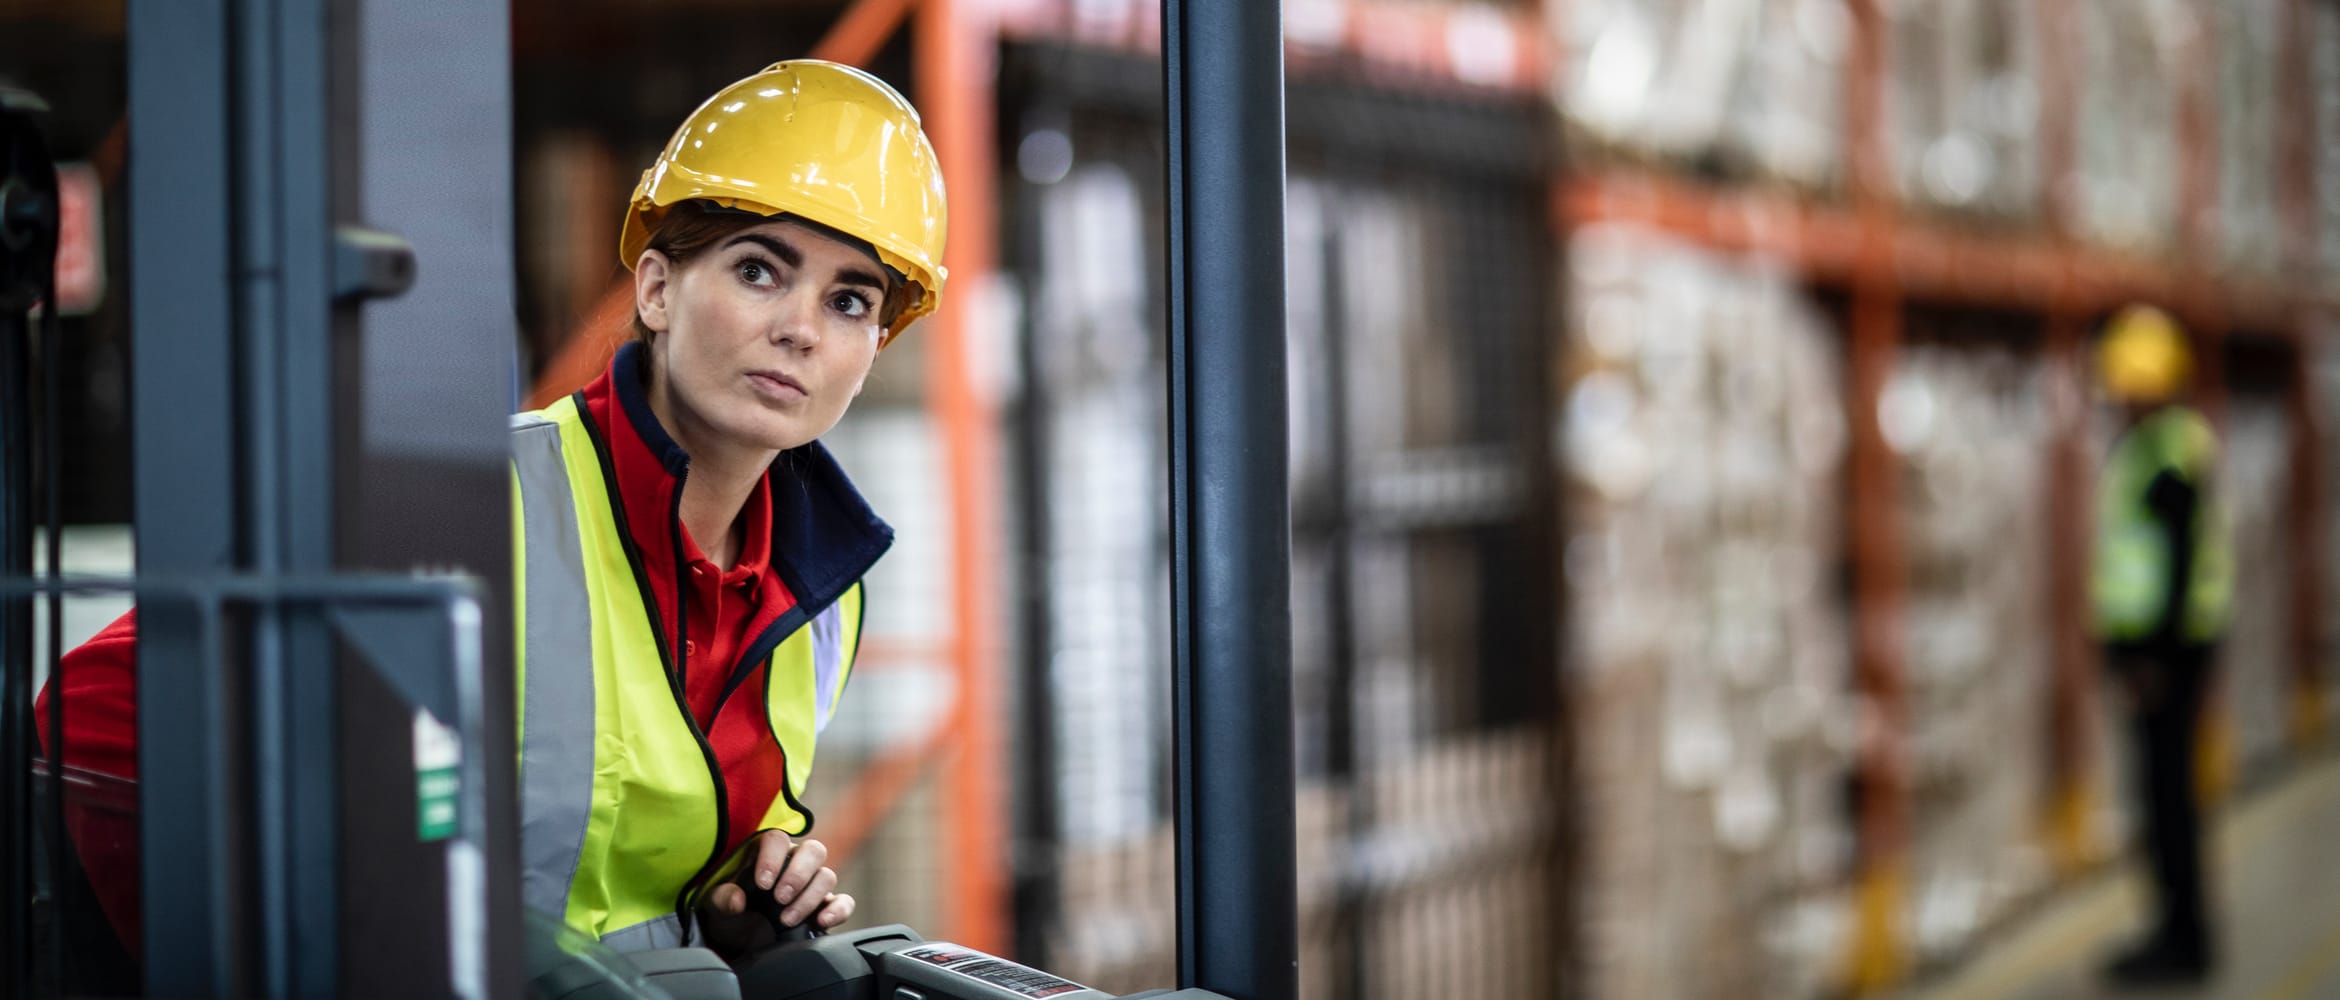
798	323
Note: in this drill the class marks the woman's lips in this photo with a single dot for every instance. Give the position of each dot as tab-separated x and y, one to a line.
777	386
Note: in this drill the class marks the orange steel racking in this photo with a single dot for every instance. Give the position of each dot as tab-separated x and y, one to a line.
955	55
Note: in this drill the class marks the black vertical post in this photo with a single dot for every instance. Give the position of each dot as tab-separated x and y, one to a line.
16	720
28	241
184	426
1038	883
1346	748
239	177
1230	526
289	141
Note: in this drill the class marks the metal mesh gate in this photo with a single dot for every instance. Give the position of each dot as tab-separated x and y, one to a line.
1421	558
1423	608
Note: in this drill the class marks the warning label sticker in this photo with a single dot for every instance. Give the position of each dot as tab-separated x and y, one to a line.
1020	980
438	753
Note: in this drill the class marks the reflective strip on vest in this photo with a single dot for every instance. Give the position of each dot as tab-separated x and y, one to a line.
617	802
828	661
556	733
659	932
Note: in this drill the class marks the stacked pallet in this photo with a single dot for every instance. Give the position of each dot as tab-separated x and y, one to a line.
2248	35
2255	662
1969	426
1704	446
1755	88
2133	57
1964	105
2323	26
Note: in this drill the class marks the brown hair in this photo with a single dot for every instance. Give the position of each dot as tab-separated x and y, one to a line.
695	225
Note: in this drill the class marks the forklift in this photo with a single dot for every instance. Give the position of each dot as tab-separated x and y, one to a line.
320	456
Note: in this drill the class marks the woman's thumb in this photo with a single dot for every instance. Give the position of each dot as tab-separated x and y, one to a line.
727	899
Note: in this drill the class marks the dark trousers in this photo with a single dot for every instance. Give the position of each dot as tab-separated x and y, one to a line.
2167	685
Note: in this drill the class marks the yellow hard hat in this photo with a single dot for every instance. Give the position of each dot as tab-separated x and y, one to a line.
2143	356
817	140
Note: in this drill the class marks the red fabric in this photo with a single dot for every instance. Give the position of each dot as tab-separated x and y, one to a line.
101	734
727	609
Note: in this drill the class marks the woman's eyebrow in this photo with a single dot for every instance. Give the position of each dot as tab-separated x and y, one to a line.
792	257
788	255
858	276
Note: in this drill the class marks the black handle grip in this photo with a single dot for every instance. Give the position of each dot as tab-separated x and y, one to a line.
760	902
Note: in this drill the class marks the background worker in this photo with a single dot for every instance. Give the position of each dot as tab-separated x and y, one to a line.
2162	585
687	556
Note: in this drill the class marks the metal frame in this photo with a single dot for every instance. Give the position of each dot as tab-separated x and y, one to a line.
180	193
1231	629
256	460
233	471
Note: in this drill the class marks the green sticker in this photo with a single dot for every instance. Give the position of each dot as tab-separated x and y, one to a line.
437	755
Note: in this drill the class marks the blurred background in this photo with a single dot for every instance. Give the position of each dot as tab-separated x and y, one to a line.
1693	446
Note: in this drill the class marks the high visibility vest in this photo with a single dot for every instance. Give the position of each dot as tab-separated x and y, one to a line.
621	802
2129	585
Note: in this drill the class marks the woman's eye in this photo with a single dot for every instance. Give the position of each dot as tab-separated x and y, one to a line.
850	304
754	272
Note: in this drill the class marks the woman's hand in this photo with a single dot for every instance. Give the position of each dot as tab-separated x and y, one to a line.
795	873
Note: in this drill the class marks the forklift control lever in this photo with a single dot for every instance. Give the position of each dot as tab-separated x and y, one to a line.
760	902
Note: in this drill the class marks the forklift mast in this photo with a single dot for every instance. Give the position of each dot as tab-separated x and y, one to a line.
1230	524
325	715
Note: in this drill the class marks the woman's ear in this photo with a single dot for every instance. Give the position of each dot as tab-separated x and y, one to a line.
653	277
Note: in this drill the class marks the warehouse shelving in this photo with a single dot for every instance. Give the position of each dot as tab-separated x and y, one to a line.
1884	258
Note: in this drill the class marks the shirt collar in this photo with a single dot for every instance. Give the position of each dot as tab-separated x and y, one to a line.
816	530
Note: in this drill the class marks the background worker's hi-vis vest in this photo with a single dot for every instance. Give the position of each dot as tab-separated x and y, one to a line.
621	802
2133	557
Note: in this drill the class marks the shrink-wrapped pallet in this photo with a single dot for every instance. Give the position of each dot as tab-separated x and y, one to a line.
1968	424
1963	108
2255	665
2133	54
1704	438
2250	223
1753	85
2323	26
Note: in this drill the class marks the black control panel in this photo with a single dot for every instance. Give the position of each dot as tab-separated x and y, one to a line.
894	963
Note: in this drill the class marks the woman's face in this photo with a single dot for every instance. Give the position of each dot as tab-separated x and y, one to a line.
762	338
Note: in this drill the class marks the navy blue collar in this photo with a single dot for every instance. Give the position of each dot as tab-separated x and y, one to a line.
824	536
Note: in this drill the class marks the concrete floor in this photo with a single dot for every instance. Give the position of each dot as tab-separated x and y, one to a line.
2277	872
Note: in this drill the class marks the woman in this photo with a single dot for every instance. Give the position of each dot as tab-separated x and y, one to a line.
687	556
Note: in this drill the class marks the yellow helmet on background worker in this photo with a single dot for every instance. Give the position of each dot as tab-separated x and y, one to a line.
820	141
2143	357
